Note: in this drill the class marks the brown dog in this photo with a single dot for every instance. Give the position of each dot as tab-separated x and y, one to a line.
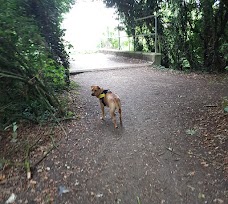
109	99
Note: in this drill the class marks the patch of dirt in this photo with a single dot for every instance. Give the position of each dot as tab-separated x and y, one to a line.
213	140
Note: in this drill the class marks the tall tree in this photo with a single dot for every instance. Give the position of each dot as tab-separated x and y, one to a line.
31	63
193	33
48	17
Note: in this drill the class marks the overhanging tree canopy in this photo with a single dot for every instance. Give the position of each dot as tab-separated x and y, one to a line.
33	61
194	34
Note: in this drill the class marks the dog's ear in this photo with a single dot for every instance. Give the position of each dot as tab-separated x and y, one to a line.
95	87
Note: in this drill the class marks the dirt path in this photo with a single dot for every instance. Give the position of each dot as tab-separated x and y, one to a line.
98	61
150	159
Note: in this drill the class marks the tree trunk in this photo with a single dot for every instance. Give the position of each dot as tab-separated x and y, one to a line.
214	23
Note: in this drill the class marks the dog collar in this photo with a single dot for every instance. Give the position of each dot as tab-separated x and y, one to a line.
102	95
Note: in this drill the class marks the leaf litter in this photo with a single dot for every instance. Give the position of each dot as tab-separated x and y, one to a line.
211	127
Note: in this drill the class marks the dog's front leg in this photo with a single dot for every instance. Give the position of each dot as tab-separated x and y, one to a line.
102	111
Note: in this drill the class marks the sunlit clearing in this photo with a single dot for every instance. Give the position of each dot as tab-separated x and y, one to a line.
86	23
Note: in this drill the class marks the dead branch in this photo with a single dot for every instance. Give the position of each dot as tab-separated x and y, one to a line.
171	150
45	155
210	106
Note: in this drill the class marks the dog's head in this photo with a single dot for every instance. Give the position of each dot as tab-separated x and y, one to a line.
96	90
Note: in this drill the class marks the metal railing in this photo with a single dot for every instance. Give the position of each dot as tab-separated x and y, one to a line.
119	37
156	28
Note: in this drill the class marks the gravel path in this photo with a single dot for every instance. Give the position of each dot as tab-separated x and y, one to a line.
98	61
150	159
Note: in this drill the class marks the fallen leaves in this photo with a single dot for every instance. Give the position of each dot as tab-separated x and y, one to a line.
191	132
212	137
192	188
2	177
98	195
11	199
201	196
192	173
205	164
62	190
218	200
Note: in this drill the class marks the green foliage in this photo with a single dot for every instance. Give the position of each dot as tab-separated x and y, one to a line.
224	50
112	41
193	34
14	131
225	104
33	64
14	134
48	16
226	109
